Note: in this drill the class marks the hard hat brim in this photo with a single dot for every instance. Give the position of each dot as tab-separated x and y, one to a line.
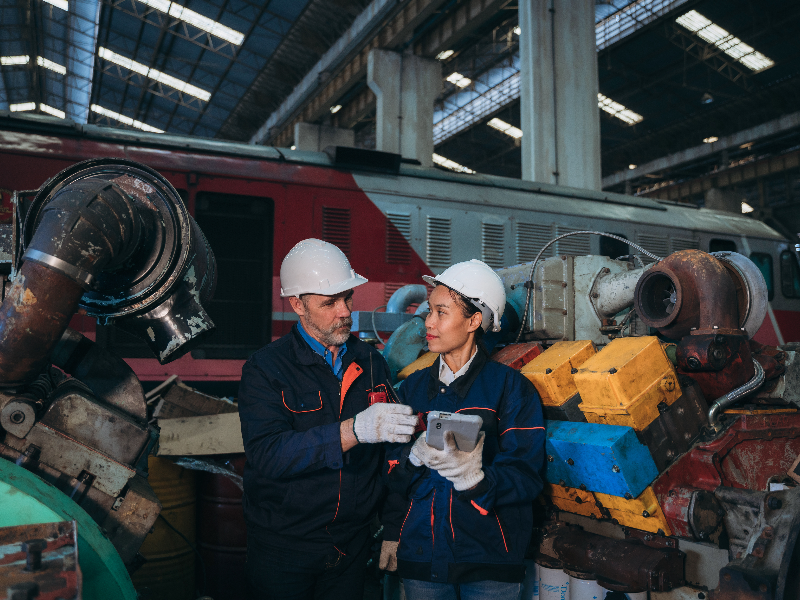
342	286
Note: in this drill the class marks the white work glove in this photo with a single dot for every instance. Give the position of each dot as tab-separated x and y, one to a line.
463	469
388	559
385	422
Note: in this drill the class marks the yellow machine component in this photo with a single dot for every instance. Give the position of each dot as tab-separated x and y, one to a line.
625	382
551	371
573	500
642	513
423	362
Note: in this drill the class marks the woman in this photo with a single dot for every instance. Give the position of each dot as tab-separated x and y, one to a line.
467	518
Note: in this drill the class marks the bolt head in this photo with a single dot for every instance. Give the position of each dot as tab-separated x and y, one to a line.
550	458
17	417
615	469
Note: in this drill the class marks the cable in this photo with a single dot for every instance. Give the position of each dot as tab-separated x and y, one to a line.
374	330
529	283
193	547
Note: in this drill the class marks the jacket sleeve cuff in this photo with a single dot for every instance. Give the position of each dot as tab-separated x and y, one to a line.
475	493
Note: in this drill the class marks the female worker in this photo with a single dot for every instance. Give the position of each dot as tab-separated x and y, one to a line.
466	518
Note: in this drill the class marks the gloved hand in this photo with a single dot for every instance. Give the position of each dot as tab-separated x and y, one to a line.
384	422
388	559
463	469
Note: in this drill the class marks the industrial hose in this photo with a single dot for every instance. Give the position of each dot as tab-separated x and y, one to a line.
529	283
733	396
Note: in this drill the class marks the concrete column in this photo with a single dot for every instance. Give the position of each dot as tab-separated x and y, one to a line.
406	87
724	199
558	93
315	138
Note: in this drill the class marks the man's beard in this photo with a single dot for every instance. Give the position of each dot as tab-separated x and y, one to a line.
330	336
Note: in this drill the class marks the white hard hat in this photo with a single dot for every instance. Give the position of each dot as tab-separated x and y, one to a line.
317	267
478	283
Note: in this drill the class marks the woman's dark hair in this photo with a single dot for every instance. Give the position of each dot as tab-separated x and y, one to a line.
467	308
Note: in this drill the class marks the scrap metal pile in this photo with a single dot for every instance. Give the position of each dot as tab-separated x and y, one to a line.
670	431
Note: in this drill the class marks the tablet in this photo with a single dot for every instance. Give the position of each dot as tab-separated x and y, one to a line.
465	427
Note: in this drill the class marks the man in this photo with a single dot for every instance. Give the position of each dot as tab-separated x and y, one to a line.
311	438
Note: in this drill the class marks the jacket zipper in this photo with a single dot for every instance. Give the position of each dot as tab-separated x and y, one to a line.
501	530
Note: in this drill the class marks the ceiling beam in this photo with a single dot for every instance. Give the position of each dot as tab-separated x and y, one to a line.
84	20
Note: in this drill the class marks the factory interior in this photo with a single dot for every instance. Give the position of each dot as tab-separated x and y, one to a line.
612	186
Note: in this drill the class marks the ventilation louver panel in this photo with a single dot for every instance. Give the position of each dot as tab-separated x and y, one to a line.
684	244
656	244
575	245
438	242
336	227
493	244
531	239
398	238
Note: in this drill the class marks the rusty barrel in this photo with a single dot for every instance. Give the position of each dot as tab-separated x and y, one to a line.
222	534
169	573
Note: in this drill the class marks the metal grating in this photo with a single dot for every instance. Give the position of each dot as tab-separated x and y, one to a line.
438	242
657	244
493	238
336	227
530	239
398	237
684	244
575	245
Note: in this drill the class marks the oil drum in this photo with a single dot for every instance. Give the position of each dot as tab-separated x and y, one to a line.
222	534
169	573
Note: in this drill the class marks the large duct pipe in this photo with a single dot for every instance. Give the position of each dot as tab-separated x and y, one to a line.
414	293
615	292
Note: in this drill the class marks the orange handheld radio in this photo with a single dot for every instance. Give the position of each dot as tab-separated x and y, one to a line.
375	397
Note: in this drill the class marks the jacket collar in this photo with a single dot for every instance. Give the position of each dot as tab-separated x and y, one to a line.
461	385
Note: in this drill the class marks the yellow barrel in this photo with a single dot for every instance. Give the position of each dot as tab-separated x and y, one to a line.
169	573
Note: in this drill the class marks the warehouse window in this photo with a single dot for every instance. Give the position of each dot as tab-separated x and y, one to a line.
722	246
790	275
764	263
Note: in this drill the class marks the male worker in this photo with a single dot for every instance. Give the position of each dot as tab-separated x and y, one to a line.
311	481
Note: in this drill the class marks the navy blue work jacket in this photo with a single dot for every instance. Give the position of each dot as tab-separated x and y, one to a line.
300	490
480	534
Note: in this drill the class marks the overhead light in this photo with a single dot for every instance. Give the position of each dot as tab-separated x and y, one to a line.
154	74
746	208
335	109
518	30
506	128
615	109
8	61
728	43
458	79
22	106
123	119
62	4
450	164
444	54
192	18
706	98
631	167
710	139
52	111
747	145
292	147
49	64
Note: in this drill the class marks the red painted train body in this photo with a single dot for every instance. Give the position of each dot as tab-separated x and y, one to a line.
254	203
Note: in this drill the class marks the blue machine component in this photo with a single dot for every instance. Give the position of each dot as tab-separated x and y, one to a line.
404	346
604	458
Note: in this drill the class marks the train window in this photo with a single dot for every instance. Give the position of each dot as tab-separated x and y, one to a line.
722	246
790	275
764	263
613	248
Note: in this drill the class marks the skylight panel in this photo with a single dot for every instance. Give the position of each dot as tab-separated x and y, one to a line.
173	82
506	128
196	19
22	107
52	111
615	109
49	64
728	43
458	79
8	61
444	54
62	4
746	208
123	119
450	164
335	109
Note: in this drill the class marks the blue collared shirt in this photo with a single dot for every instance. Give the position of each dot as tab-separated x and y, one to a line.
336	365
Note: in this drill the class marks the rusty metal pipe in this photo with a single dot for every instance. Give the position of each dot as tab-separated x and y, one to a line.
33	318
688	290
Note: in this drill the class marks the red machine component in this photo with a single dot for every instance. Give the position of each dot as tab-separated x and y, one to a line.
517	356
